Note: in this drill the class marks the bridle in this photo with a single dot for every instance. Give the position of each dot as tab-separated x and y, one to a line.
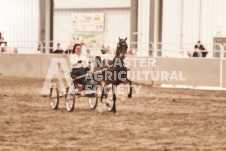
121	44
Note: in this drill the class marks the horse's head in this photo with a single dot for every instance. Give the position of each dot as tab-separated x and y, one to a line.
121	47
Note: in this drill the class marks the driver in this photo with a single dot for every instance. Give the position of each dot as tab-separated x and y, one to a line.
79	61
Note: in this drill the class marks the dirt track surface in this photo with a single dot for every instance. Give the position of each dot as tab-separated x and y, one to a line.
155	119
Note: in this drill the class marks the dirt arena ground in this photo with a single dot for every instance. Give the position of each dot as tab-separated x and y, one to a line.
155	119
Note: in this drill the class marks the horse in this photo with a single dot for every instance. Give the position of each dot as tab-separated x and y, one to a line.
113	69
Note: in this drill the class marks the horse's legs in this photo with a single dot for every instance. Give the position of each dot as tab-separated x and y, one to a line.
101	98
102	95
130	89
114	100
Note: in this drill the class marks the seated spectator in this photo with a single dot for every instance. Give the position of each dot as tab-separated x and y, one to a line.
110	51
88	55
6	49
69	50
1	50
133	52
39	49
189	54
103	49
130	52
83	47
58	50
202	49
183	54
15	50
38	52
2	40
197	53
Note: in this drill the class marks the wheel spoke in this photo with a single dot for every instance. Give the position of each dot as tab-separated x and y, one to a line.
69	100
93	98
54	98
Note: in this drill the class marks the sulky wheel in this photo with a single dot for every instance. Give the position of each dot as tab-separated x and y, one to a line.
93	98
69	100
109	99
93	102
54	98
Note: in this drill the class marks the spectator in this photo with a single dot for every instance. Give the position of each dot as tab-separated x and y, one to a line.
83	47
38	52
202	49
110	51
6	49
69	50
15	50
88	55
2	49
133	52
58	50
2	40
39	49
183	54
130	52
103	49
197	53
189	54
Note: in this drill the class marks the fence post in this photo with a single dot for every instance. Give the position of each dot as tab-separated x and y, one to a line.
221	64
41	47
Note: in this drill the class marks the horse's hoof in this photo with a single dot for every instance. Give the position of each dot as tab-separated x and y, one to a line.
116	113
129	95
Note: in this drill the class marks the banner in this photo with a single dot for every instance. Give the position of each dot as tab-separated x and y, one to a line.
88	22
89	40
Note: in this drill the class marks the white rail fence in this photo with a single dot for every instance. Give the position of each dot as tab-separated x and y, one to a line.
23	47
143	49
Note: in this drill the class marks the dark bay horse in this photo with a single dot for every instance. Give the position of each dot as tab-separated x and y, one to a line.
116	72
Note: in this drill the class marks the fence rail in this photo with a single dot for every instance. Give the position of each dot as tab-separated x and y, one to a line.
23	47
143	49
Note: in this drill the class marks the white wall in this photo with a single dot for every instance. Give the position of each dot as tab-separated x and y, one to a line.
116	24
19	21
143	27
191	21
213	19
171	28
213	14
91	3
